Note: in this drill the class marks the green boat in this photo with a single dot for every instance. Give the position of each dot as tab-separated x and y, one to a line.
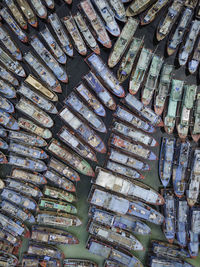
54	205
56	193
175	97
195	130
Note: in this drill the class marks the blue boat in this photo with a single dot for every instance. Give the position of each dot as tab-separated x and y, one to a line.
8	121
194	232
9	79
3	144
6	105
6	89
182	222
3	132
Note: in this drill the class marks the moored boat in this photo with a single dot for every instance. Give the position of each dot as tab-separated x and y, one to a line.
6	105
7	259
8	121
118	9
3	144
3	159
79	263
3	132
138	7
5	88
34	260
191	3
193	245
182	222
56	206
195	59
39	8
160	262
28	12
195	129
9	237
44	250
58	194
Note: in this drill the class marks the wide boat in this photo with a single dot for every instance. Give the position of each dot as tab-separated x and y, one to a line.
79	263
44	250
6	89
118	9
6	105
34	260
7	259
58	194
160	262
28	12
8	121
138	6
56	206
15	241
182	222
39	8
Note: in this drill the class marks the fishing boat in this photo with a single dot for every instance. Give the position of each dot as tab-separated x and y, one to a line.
96	23
195	130
195	59
27	163
163	88
128	59
174	98
160	262
119	10
75	103
8	121
4	235
34	112
193	245
6	105
28	12
3	144
152	79
79	263
138	73
58	194
69	157
13	24
105	75
56	206
3	159
7	259
42	71
86	33
84	131
61	34
44	251
166	160
39	9
33	260
102	93
138	7
182	222
6	89
8	247
35	129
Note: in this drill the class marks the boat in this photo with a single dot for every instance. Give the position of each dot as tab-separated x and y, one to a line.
105	75
187	104
138	73
81	129
6	89
8	121
195	59
21	35
3	132
42	71
27	163
61	34
177	36
122	42
118	9
79	263
34	112
182	222
122	206
174	98
193	245
6	105
34	129
128	59
75	103
3	144
56	206
102	93
163	88
197	13
7	259
109	263
152	79
8	247
151	14
75	35
132	148
126	223
91	100
52	236
138	7
3	159
195	130
86	33
4	235
191	3
58	194
169	19
69	138
96	23
69	157
44	251
160	262
69	2
57	219
188	47
39	9
130	189
166	159
28	12
34	260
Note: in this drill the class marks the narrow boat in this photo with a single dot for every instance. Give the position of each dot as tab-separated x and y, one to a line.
55	205
84	131
61	34
195	59
138	7
3	159
44	251
57	219
33	260
43	72
3	144
3	132
197	13
5	88
119	10
152	79
102	93
13	25
58	194
191	3
9	237
7	259
16	212
69	157
8	121
195	130
182	222
86	33
91	100
187	104
174	98
160	262
128	59
52	236
53	46
96	23
39	8
34	112
69	138
79	263
6	105
138	73
131	189
37	99
163	88
27	163
122	42
105	75
114	236
50	3
193	245
28	12
166	160
85	113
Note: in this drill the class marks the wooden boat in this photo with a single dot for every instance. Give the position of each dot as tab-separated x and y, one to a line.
138	7
28	12
182	222
45	74
3	132
6	88
195	130
58	194
69	157
86	33
26	138
102	93
4	235
84	131
138	73
96	23
39	8
56	206
193	245
8	121
35	113
118	9
122	42
3	159
105	75
44	250
79	263
85	113
195	59
33	260
61	34
6	105
3	144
